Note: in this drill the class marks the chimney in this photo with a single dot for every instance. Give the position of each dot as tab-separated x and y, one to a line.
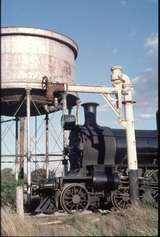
90	113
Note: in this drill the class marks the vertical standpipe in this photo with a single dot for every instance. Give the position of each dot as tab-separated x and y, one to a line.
121	80
65	135
16	150
35	142
47	158
77	112
28	148
22	127
131	148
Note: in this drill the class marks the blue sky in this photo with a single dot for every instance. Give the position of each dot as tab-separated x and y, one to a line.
108	32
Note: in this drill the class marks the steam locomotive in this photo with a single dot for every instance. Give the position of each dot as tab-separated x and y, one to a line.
98	175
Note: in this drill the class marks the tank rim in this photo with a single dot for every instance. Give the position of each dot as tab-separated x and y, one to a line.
22	30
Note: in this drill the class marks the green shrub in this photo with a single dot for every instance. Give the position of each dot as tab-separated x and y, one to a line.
8	193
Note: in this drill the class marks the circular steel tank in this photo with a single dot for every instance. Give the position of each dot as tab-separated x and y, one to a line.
27	55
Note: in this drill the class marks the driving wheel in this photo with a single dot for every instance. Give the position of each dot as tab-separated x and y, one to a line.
120	199
74	198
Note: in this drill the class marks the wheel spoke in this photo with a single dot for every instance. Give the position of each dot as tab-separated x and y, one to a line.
81	206
69	202
67	198
70	208
120	202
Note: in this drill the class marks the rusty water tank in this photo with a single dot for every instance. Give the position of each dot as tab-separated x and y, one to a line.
27	55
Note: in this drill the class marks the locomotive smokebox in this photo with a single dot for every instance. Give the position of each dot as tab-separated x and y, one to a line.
90	110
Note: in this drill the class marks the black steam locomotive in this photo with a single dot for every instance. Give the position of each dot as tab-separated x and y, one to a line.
98	175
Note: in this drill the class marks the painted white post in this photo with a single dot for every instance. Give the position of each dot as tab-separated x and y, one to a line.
130	131
131	146
122	80
19	201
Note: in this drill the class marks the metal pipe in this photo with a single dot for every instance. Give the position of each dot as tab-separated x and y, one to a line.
8	120
47	158
65	135
22	127
28	148
108	100
35	141
16	151
33	161
77	112
90	89
58	154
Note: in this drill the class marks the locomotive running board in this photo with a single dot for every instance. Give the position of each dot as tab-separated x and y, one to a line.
45	206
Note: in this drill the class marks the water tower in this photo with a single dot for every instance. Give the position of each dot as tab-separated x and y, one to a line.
32	60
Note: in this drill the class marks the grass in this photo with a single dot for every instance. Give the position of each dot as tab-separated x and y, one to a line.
131	222
134	221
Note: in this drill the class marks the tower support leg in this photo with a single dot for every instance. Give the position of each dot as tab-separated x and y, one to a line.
28	149
22	127
16	150
47	158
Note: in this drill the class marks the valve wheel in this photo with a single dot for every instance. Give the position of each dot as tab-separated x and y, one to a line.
44	82
74	198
